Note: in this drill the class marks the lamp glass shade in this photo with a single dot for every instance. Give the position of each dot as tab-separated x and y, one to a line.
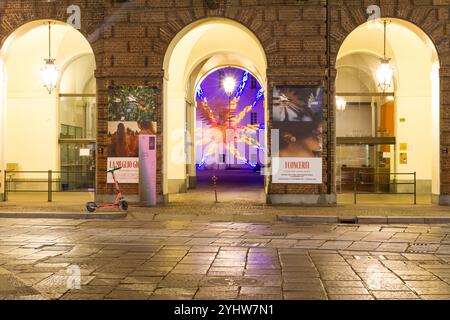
49	74
384	75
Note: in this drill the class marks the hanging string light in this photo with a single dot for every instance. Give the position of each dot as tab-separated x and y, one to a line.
385	72
49	72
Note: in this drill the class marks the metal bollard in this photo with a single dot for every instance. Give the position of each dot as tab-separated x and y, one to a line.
50	186
214	181
415	188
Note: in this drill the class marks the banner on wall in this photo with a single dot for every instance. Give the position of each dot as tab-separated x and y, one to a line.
297	115
129	172
132	113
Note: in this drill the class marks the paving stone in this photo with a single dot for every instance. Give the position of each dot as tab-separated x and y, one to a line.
384	285
304	295
420	257
104	282
364	245
340	245
346	291
350	297
136	287
128	295
150	260
353	235
395	295
82	296
343	284
256	297
393	247
435	297
378	236
178	283
438	290
182	292
256	272
221	295
151	280
260	290
309	243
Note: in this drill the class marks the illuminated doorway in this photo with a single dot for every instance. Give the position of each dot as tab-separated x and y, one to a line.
197	51
388	136
48	130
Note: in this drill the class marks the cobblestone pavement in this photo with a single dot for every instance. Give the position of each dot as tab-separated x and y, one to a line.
39	259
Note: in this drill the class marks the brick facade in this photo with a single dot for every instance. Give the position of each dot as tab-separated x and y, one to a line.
130	39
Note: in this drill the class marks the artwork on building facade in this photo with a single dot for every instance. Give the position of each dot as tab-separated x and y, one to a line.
297	117
132	112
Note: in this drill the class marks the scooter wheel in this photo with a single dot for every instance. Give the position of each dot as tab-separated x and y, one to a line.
91	206
123	205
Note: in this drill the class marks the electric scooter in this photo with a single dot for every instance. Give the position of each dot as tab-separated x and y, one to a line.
119	201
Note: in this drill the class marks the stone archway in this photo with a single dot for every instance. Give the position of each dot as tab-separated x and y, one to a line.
200	47
31	119
429	24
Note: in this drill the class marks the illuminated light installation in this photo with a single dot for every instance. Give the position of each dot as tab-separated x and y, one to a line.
242	85
218	116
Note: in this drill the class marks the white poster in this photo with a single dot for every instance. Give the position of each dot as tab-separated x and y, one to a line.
297	115
295	170
129	172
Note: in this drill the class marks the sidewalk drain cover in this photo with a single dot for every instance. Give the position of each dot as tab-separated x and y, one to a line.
420	248
250	244
275	234
239	282
348	220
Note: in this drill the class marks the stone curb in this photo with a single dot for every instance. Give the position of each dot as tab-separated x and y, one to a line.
58	215
366	219
321	219
373	220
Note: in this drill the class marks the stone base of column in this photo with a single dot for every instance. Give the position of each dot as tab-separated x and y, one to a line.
442	200
192	182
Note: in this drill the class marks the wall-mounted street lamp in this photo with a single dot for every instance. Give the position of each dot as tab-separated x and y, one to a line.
49	72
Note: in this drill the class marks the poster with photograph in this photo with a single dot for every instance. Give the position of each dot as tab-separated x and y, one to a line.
132	112
297	115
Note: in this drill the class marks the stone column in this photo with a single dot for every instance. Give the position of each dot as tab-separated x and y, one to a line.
2	127
443	197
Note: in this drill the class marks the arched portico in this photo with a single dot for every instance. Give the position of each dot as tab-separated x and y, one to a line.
199	49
